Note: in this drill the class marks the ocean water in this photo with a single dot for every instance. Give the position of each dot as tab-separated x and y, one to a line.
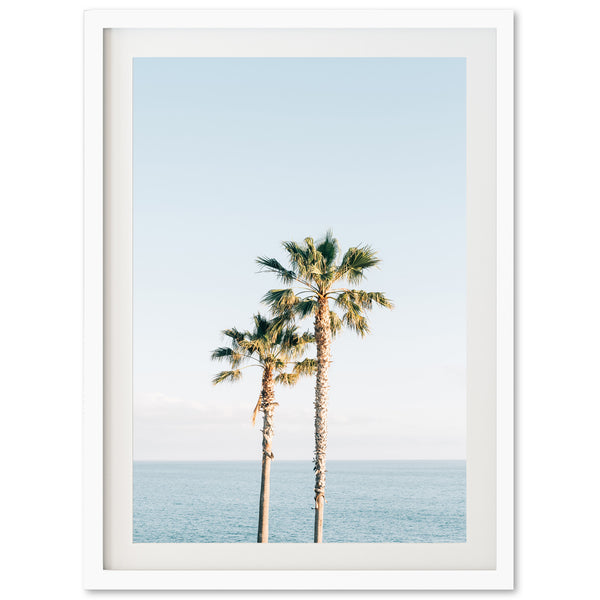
367	501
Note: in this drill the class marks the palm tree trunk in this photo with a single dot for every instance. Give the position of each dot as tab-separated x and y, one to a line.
323	340
267	407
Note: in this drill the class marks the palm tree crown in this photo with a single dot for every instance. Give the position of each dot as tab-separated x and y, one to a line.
316	270
273	344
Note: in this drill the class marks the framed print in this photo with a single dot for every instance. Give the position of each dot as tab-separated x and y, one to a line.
298	299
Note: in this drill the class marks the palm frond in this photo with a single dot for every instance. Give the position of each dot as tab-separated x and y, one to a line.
279	301
349	301
252	346
364	300
293	344
261	326
306	308
279	364
271	265
221	353
282	320
307	338
229	354
308	366
335	323
381	299
357	322
288	336
311	250
227	376
235	334
287	379
329	248
325	274
355	262
299	258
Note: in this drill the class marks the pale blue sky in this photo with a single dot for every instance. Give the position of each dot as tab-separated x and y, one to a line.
232	156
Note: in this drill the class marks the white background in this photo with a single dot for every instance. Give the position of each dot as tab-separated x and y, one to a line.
558	294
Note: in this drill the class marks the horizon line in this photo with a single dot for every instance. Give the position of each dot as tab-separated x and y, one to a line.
292	459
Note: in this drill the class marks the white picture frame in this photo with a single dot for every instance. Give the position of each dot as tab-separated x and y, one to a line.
99	476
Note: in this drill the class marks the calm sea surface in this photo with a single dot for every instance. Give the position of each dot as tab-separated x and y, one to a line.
367	501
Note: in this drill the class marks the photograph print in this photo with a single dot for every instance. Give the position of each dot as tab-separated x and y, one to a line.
299	300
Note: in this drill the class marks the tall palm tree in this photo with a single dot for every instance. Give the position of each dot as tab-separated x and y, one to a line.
316	276
274	345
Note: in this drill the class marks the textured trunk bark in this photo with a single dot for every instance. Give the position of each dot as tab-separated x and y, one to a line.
267	406
323	339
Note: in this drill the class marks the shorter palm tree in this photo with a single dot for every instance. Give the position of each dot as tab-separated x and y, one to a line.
275	346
